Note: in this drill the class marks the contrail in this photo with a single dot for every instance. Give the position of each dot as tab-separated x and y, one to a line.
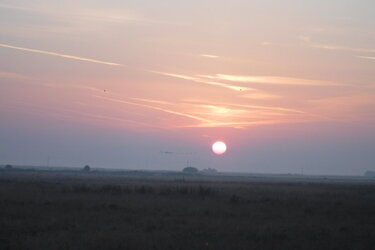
153	107
59	55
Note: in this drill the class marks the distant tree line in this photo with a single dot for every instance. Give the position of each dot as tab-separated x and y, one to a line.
209	171
370	173
193	170
190	170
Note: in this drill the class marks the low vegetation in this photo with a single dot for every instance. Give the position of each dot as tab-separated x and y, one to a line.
47	210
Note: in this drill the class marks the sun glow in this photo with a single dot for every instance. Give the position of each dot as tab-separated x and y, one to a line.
219	147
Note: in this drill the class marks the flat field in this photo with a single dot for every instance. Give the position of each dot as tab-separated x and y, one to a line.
98	210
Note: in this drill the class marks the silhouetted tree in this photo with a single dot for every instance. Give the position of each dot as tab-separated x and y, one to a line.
86	168
8	166
190	170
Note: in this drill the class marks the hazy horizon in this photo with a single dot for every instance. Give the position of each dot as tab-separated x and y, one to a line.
289	86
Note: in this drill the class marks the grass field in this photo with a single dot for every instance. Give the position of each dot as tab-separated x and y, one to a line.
65	210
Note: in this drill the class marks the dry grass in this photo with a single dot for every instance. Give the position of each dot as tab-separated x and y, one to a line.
104	211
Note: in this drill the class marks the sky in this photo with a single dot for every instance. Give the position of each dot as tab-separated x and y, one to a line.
288	85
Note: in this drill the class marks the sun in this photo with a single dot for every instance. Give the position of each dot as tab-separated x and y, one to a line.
219	147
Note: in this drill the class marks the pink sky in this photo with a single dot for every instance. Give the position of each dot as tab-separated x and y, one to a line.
279	82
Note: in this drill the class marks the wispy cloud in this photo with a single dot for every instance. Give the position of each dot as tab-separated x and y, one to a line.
153	107
78	13
236	115
119	119
266	43
112	15
26	79
260	95
204	81
202	114
14	7
59	55
152	101
209	56
223	114
218	111
68	113
333	46
271	80
11	75
367	57
72	86
250	107
180	76
245	124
